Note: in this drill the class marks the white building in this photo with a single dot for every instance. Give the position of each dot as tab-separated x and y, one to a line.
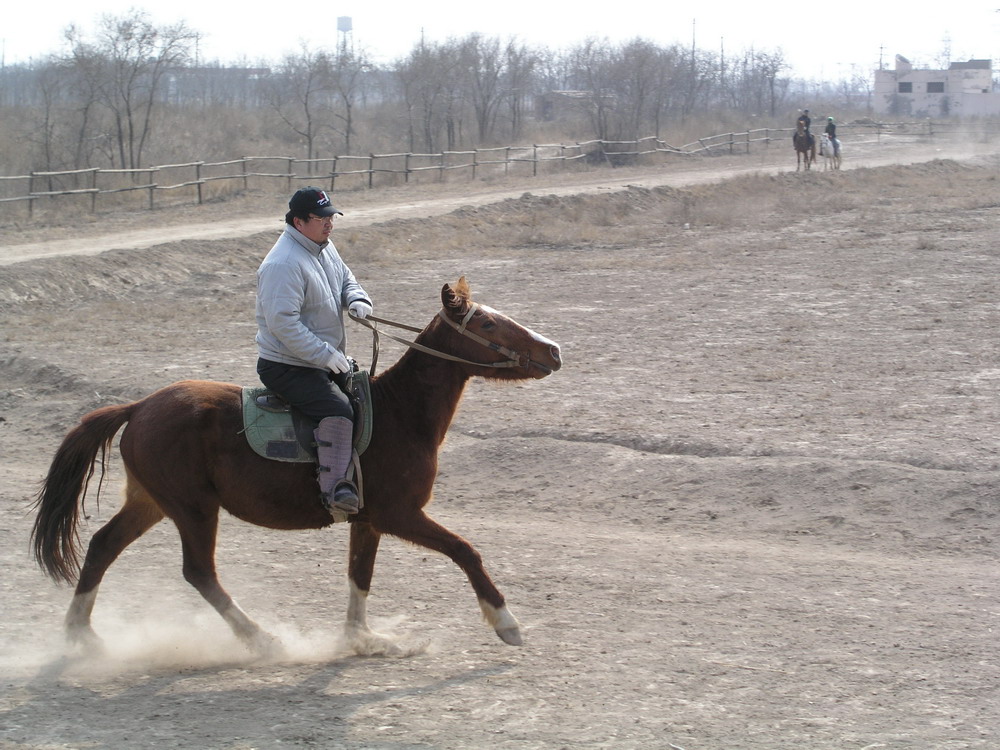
965	89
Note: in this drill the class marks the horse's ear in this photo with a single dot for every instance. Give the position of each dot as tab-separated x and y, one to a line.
456	296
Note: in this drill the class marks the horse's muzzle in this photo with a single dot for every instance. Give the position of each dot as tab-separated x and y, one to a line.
555	361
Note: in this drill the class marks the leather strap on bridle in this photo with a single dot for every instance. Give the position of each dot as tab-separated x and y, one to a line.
514	359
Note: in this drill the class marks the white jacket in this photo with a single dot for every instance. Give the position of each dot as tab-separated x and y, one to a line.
302	290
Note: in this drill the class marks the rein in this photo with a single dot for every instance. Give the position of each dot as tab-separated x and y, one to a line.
514	359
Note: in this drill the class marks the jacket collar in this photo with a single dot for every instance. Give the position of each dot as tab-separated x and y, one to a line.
313	247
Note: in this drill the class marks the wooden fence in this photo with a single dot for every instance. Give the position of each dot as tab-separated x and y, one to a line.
199	181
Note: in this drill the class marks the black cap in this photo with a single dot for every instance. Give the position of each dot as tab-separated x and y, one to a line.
312	200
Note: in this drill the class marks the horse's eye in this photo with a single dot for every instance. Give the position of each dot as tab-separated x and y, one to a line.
489	325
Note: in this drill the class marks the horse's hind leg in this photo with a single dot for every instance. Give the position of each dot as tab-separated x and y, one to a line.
136	516
422	530
198	532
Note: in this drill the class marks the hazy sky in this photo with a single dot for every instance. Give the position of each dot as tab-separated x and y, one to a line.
818	47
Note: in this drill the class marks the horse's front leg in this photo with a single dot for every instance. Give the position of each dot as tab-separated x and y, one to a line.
422	530
360	567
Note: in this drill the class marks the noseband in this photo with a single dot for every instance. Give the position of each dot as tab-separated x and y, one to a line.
514	359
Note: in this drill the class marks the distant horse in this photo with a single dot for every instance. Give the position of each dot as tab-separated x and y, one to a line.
805	147
830	151
185	458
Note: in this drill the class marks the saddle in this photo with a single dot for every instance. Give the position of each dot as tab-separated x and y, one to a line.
277	431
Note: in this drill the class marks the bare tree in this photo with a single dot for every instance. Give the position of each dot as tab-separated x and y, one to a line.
348	81
770	65
483	67
128	59
44	121
696	79
862	83
591	71
520	66
300	92
637	70
668	63
429	81
417	88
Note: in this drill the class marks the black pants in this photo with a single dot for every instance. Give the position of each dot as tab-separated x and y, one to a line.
316	393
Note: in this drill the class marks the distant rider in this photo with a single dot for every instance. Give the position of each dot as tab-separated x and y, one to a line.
831	130
806	122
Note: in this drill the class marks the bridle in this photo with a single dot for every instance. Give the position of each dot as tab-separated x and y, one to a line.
514	359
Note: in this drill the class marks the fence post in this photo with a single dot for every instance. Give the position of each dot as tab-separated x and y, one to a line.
289	168
371	170
197	176
333	173
246	181
534	160
406	168
475	155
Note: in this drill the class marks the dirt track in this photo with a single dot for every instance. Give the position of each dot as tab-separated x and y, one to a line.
758	508
102	233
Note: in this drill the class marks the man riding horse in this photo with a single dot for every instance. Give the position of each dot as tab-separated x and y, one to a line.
831	130
804	121
303	286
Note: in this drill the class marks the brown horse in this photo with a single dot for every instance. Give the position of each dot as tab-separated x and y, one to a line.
805	147
185	458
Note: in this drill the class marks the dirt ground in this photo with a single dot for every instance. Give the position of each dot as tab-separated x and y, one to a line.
757	508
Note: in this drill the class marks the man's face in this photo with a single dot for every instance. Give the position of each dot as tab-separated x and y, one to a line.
316	228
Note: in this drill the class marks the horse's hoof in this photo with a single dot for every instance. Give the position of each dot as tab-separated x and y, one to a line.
366	642
266	647
85	641
511	636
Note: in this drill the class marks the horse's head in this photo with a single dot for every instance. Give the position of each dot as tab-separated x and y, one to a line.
508	350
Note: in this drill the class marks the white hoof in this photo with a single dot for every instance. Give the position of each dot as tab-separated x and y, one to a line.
503	622
511	636
84	640
266	647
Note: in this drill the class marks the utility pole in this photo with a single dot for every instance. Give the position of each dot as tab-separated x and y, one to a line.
694	23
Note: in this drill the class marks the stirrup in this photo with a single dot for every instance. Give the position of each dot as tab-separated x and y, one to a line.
344	497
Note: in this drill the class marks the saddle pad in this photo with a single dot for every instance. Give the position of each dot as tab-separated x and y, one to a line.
287	435
273	434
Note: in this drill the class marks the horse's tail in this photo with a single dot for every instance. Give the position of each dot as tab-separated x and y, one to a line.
54	537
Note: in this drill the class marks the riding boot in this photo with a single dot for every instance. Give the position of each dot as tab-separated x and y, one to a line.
334	437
